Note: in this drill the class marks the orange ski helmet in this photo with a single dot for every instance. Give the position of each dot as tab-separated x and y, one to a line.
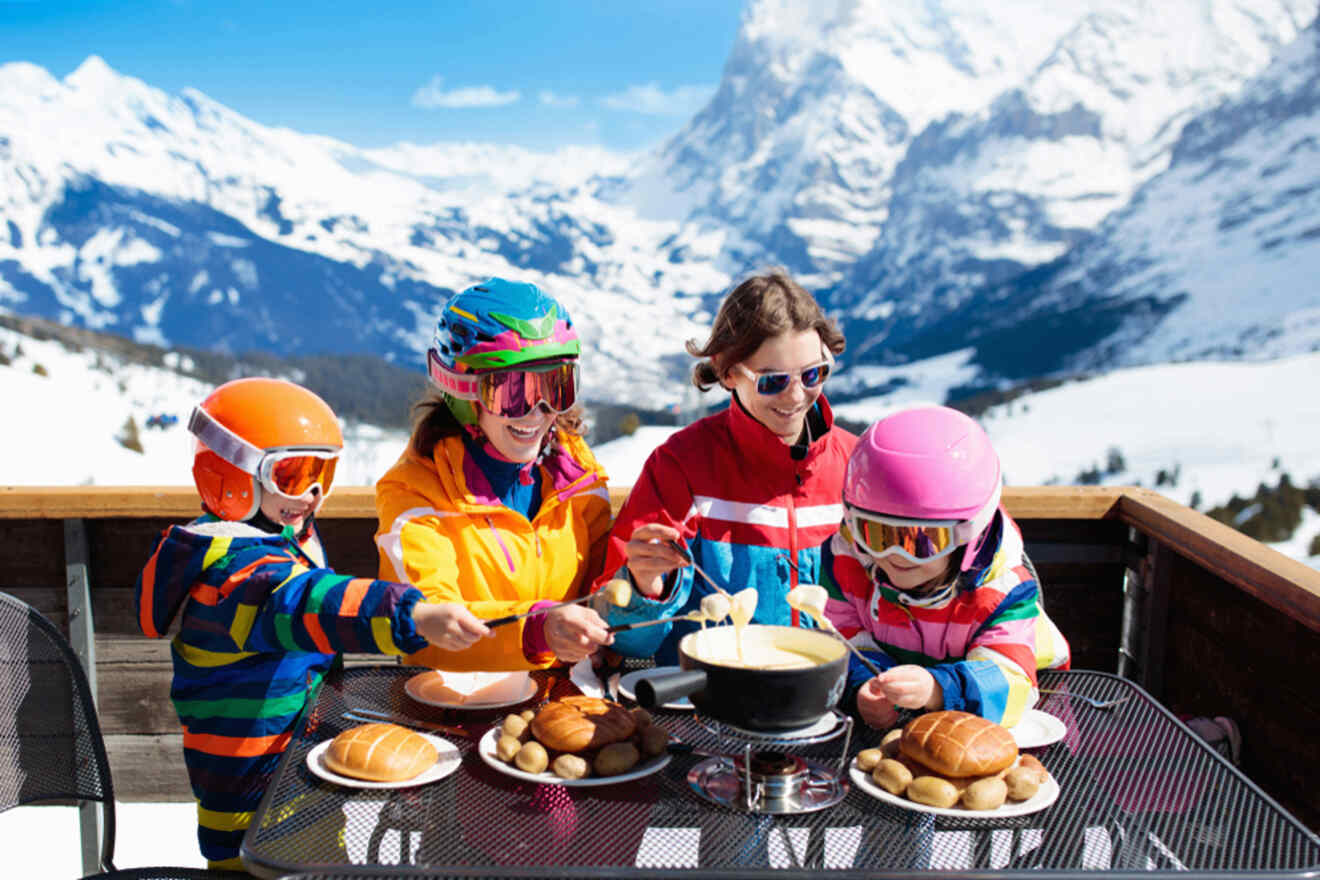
258	432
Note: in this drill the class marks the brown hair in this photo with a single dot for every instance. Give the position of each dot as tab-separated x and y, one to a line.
433	421
760	307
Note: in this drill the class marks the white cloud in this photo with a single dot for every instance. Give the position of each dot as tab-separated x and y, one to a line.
434	95
550	99
655	101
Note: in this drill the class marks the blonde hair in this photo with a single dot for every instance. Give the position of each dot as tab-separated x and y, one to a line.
760	307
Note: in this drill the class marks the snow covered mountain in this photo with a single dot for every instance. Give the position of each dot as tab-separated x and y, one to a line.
1217	256
946	175
174	220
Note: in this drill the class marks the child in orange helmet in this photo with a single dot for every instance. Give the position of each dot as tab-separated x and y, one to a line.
261	615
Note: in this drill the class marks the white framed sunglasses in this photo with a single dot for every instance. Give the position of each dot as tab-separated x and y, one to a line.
772	383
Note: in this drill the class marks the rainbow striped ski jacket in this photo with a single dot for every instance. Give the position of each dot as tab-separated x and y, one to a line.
983	637
260	621
753	511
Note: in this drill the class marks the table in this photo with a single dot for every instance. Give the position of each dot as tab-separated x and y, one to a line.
1140	794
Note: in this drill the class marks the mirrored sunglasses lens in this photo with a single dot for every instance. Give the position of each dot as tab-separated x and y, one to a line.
772	383
815	375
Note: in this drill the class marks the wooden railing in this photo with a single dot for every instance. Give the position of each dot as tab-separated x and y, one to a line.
1209	620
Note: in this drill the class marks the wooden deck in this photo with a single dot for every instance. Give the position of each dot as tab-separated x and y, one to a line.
1210	621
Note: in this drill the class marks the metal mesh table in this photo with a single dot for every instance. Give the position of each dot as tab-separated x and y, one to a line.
1140	793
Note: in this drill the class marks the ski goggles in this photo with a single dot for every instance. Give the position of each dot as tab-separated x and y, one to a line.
295	472
515	392
916	540
770	384
291	473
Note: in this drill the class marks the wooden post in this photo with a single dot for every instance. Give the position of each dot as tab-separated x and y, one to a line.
82	638
1159	568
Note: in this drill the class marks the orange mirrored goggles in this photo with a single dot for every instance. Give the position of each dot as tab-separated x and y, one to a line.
913	539
294	473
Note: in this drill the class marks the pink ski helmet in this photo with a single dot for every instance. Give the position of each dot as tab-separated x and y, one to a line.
926	464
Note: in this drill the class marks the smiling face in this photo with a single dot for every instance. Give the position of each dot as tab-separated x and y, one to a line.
516	439
910	576
288	511
783	413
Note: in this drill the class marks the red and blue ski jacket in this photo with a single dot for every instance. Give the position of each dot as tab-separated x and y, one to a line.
750	509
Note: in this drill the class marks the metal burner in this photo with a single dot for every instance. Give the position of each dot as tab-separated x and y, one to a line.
768	782
827	727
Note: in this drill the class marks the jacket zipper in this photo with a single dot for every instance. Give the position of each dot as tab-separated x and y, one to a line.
794	617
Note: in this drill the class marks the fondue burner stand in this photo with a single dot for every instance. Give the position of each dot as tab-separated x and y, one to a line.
765	778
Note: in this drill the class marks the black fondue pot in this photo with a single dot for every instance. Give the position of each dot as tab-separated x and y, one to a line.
765	699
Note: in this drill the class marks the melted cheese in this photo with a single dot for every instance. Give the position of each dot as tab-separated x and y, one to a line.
741	608
809	598
759	655
714	607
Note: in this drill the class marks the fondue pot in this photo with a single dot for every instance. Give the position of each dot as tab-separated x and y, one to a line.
761	699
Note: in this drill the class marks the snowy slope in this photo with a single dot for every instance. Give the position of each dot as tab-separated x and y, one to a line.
1224	427
1230	233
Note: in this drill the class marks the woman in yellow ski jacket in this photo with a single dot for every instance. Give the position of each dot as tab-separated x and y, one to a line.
497	502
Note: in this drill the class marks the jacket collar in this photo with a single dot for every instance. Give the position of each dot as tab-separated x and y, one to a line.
758	442
463	478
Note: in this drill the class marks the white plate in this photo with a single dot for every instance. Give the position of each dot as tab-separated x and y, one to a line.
412	690
486	748
1037	729
445	764
1046	795
628	684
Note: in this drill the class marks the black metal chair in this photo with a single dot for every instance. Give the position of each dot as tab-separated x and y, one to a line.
51	748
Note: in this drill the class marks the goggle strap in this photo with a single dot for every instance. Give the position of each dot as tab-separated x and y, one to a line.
460	385
224	442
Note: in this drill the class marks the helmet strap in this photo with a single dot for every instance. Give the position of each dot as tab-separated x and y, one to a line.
465	411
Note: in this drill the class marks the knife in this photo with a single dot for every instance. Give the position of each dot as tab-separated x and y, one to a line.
370	715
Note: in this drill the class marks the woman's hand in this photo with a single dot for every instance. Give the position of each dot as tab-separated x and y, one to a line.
875	708
449	626
650	557
574	632
909	686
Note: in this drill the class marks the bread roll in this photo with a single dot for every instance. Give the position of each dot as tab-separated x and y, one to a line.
958	744
575	723
380	753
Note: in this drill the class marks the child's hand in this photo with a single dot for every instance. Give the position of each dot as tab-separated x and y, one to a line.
448	625
574	632
909	686
875	708
650	557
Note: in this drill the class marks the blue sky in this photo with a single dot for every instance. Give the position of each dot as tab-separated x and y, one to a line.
624	74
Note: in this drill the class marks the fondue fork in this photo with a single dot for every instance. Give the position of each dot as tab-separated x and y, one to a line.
827	625
500	621
697	568
623	627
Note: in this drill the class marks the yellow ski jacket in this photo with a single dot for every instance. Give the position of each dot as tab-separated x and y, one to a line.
442	529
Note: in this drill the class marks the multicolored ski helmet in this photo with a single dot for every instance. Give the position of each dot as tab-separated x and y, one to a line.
493	326
930	470
258	434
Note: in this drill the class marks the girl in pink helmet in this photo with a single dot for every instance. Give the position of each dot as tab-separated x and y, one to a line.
928	575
